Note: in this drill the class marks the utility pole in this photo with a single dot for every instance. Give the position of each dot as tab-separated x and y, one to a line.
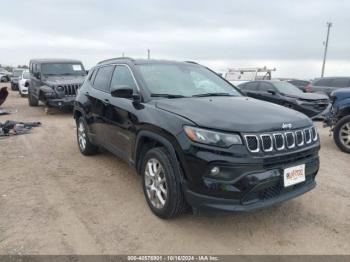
148	54
329	25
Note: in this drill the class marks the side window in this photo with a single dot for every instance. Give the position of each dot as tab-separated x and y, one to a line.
103	78
122	77
264	87
340	82
251	86
92	75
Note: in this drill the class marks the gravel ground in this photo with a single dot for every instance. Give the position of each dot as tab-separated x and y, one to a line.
53	200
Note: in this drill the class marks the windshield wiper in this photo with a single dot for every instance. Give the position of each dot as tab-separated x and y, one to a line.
167	95
212	94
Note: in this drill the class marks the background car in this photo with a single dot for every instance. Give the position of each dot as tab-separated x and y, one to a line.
286	94
23	83
338	118
327	85
16	74
303	85
4	75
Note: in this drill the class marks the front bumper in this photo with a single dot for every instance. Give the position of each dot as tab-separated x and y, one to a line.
231	205
61	102
245	182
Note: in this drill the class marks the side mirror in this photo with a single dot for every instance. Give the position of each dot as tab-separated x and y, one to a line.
271	91
124	91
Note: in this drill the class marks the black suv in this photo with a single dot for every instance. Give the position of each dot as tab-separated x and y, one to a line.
288	95
194	138
16	74
54	81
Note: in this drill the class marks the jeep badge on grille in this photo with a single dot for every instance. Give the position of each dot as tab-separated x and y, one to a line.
286	126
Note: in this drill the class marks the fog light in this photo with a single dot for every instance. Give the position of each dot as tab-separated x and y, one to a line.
215	171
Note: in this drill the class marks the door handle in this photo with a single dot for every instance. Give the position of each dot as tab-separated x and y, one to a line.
86	93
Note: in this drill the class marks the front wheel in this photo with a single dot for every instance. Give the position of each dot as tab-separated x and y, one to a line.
161	185
341	134
33	101
84	144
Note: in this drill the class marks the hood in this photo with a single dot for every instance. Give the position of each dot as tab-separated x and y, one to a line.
235	114
63	80
309	96
341	94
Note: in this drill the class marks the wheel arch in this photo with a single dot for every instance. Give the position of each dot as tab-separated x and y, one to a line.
146	140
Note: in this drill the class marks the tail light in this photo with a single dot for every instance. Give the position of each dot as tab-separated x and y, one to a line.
307	88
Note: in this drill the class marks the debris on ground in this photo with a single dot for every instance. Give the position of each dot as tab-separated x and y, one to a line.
4	112
16	128
3	94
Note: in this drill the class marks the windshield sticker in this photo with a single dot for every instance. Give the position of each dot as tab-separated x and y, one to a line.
77	67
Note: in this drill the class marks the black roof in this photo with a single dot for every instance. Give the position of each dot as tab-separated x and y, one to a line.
54	60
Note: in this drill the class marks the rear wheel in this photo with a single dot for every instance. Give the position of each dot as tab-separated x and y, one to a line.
161	185
85	146
32	100
341	134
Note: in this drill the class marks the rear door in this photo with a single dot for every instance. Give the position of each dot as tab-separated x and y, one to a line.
98	97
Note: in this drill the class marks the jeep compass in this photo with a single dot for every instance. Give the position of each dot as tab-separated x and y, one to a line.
194	138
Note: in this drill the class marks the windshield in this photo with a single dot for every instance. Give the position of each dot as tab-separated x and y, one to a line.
26	75
62	69
17	72
184	80
287	88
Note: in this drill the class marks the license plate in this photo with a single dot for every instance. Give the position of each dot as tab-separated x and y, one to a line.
294	175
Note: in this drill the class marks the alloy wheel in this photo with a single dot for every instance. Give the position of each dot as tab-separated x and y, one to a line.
345	135
81	135
155	183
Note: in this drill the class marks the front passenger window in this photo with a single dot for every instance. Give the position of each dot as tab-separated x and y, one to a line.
103	78
122	77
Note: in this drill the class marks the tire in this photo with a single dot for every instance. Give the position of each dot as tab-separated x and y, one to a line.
3	79
84	144
33	101
170	190
342	128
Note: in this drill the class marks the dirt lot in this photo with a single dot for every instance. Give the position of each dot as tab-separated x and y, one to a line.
53	200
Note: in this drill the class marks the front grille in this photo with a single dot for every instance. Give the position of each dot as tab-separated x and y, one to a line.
252	143
280	140
299	137
71	90
290	139
307	133
266	142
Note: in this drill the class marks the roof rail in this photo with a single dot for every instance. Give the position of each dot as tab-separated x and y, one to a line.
115	58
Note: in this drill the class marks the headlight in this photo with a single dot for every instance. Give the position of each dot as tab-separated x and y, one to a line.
59	89
213	138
